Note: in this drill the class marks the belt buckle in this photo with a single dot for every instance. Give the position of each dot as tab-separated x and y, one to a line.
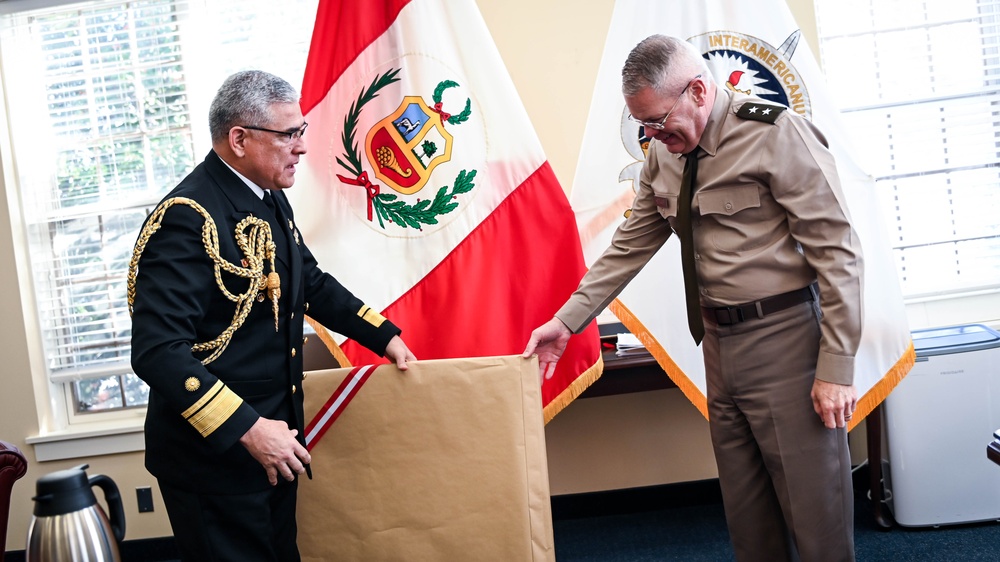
728	315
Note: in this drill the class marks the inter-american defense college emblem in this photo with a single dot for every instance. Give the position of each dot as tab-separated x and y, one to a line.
740	63
402	150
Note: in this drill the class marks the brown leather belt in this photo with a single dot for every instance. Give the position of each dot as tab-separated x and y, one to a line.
729	315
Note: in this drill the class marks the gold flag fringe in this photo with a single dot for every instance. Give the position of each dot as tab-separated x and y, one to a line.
880	391
568	394
690	390
574	389
866	404
331	345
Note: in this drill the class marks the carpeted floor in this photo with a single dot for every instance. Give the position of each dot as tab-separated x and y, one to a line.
690	525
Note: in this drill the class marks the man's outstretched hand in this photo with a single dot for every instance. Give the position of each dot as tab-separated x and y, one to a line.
548	341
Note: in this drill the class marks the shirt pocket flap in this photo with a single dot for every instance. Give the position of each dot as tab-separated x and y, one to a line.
728	201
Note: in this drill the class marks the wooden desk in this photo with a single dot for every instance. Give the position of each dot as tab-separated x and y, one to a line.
622	375
873	433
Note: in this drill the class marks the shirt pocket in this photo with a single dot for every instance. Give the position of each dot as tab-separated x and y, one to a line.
728	201
733	218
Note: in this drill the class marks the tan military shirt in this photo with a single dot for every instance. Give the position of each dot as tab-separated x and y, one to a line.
767	218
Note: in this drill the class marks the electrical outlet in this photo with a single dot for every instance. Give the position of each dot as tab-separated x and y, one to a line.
145	499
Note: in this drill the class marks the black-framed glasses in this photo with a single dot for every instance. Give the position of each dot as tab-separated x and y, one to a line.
290	135
658	125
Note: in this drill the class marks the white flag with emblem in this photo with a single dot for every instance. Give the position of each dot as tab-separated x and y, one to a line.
754	48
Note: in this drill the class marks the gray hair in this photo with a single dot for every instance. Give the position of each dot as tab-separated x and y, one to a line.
245	98
661	63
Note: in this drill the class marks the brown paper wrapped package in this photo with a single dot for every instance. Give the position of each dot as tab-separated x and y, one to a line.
443	462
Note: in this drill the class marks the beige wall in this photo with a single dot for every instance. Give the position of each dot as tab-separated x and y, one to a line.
552	50
552	56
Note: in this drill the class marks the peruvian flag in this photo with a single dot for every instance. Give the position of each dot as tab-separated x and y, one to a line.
425	190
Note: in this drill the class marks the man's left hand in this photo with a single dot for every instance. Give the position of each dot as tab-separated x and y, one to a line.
397	352
835	403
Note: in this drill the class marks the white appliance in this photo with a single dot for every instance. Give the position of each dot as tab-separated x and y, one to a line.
938	422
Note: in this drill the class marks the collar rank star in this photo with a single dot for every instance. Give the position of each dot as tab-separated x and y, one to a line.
760	112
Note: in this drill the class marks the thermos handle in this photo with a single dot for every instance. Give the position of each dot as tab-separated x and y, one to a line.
114	499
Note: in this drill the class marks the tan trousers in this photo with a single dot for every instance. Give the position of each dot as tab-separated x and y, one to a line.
785	478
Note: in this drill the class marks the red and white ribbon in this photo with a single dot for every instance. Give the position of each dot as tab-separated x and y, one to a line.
336	404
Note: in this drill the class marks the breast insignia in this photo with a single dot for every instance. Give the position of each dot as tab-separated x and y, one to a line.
760	112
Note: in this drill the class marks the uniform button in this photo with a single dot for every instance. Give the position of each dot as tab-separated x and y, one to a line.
293	352
704	291
697	256
294	388
304	375
729	206
306	307
293	316
305	340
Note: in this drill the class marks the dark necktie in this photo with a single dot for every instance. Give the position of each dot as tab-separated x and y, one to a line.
275	210
687	246
269	201
279	233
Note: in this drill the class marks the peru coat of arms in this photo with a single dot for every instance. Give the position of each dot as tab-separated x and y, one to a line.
402	150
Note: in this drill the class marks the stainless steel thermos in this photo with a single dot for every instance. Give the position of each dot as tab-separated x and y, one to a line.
68	524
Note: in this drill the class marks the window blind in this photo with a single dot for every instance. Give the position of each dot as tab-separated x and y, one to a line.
108	111
918	86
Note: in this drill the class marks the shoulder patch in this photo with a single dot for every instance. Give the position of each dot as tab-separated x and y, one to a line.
760	111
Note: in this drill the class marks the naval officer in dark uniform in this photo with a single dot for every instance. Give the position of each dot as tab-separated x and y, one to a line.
752	191
219	284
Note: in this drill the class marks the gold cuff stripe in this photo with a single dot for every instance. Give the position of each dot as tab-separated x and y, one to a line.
218	409
370	316
203	400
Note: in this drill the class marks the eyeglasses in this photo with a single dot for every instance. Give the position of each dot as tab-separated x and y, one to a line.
291	135
658	125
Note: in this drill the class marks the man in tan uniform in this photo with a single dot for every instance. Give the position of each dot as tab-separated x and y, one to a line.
777	269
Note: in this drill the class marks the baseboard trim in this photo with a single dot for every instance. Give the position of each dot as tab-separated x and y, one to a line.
636	500
160	549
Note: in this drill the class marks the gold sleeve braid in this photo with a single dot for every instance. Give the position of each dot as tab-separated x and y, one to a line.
253	236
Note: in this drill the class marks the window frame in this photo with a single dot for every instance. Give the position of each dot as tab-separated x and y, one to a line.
55	397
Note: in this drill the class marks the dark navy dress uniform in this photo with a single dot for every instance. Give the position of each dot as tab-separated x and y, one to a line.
197	413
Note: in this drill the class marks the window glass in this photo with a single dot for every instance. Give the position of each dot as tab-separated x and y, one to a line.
108	113
917	85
